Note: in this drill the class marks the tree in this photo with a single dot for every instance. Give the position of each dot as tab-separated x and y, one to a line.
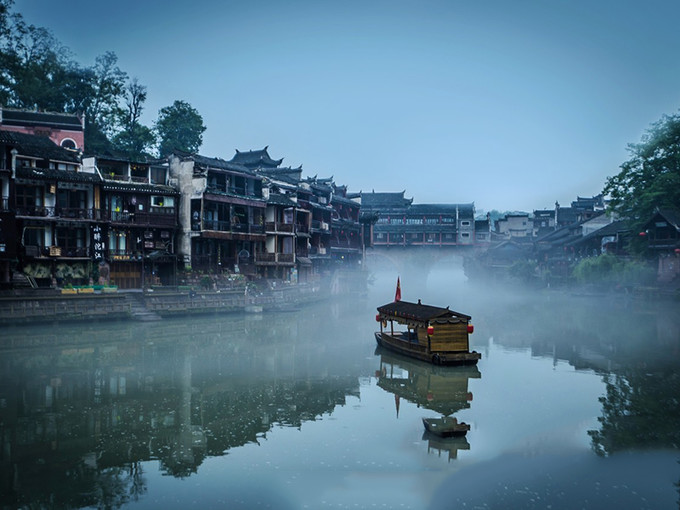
36	69
108	87
134	139
651	177
38	72
179	126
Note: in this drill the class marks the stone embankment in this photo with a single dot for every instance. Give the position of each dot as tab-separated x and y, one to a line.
50	305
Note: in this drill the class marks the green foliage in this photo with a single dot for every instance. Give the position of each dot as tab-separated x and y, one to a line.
651	177
38	72
523	270
179	126
611	270
135	140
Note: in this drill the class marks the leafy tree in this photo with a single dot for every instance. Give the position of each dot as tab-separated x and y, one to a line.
651	177
609	270
38	72
108	88
36	68
134	139
179	126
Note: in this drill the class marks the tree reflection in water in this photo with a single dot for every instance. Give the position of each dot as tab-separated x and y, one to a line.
80	417
640	410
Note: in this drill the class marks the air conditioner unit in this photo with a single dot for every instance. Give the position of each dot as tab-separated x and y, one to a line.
174	182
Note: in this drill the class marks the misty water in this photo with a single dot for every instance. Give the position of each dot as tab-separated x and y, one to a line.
574	404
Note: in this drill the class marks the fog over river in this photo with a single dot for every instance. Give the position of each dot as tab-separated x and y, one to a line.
574	404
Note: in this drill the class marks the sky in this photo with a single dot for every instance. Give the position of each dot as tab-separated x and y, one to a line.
512	105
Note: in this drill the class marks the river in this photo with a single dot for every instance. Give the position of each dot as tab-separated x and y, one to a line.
574	404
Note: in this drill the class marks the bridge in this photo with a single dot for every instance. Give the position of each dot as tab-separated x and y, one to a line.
418	263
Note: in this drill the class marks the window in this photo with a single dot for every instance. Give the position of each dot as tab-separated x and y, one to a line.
29	198
71	202
25	163
71	241
465	223
67	143
117	242
34	236
158	175
157	201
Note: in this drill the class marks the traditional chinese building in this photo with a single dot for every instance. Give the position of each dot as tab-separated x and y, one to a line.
221	210
64	129
139	213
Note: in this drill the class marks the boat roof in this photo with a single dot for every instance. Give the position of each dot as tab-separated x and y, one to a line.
418	311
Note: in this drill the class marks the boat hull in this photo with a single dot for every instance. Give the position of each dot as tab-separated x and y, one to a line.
446	427
417	351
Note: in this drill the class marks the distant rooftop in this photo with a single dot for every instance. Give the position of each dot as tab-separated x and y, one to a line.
26	118
255	159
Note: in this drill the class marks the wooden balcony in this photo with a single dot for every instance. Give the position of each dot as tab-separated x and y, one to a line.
275	259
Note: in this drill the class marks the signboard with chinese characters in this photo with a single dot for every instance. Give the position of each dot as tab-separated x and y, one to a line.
98	242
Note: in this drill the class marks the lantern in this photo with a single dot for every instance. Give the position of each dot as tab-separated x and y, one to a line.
470	328
377	317
430	330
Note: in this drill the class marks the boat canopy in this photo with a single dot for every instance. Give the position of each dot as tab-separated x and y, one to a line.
407	312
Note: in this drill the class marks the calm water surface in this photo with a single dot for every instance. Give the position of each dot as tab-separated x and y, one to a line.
575	404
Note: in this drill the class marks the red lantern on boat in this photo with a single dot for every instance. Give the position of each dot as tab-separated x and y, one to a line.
377	317
430	330
470	328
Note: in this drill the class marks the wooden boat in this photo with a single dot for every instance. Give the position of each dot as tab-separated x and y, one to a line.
433	334
446	427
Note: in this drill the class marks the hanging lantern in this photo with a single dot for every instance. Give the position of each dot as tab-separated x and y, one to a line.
642	234
470	328
430	330
377	317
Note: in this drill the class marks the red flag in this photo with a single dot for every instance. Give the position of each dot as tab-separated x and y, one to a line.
397	295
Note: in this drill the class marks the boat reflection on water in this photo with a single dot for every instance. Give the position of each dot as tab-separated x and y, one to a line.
450	445
443	390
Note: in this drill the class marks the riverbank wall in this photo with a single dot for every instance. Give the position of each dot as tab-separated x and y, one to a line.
50	305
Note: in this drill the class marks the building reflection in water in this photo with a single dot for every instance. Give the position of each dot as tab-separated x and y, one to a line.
437	388
77	421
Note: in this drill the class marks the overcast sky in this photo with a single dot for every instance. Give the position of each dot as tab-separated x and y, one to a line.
510	104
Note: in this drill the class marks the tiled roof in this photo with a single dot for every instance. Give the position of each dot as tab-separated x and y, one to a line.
68	121
221	164
37	147
418	311
608	230
289	175
255	159
278	199
57	175
385	200
671	215
121	157
342	200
